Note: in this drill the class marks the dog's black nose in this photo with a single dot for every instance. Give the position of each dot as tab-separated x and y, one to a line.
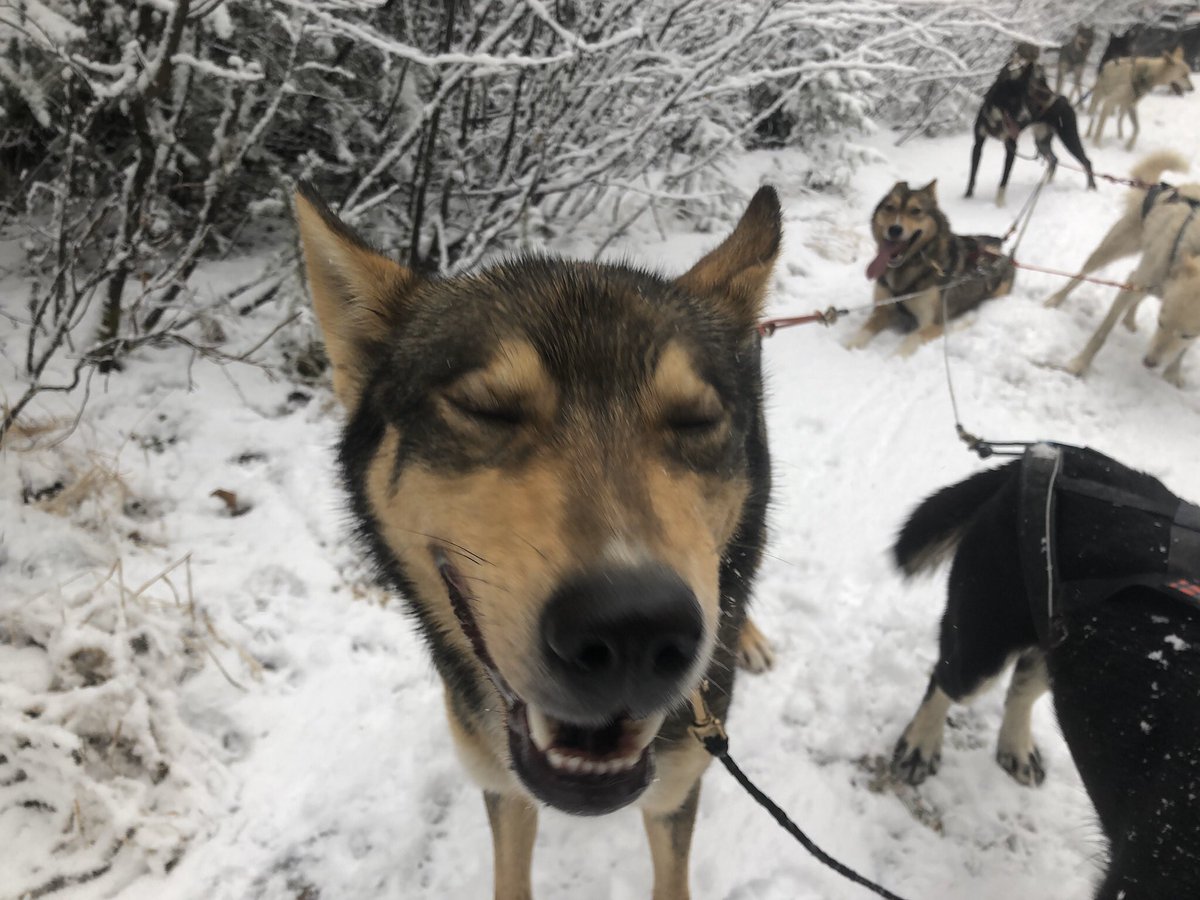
894	232
620	640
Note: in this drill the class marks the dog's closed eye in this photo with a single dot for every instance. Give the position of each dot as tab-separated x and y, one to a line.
485	409
695	419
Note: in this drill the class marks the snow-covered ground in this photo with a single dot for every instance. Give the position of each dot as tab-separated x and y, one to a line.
306	752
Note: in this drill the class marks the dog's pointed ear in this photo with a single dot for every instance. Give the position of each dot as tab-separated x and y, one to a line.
930	189
736	274
357	292
900	186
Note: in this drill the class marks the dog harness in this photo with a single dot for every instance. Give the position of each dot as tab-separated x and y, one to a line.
1044	478
1174	196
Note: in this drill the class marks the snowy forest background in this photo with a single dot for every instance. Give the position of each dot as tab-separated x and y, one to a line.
160	556
139	138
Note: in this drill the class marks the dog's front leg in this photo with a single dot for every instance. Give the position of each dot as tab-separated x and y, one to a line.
1016	752
514	825
879	319
1174	372
1010	154
976	154
1135	127
670	837
918	753
1124	300
927	307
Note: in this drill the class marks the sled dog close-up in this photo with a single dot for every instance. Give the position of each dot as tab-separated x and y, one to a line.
1163	225
562	467
917	253
1088	574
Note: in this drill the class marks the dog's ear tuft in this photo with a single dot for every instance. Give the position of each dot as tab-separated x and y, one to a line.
736	274
900	187
357	292
930	189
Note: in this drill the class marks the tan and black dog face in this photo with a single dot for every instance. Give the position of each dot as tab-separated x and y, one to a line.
563	458
904	221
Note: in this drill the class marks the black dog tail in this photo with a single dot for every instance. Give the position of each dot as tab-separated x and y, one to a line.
935	527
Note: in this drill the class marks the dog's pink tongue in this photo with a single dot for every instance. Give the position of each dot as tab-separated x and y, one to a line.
877	266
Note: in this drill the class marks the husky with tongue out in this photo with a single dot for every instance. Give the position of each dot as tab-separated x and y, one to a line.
935	272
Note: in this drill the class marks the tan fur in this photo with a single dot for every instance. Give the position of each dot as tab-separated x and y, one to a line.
514	827
354	291
1123	83
1168	238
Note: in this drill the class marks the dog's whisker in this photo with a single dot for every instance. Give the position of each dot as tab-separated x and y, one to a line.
532	546
453	547
476	578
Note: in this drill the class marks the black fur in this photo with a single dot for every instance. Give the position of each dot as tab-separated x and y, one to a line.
1126	679
1019	99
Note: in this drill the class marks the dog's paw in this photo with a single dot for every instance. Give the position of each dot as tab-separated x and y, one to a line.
1076	367
1024	766
1174	376
859	340
1054	301
910	345
911	765
754	652
1130	321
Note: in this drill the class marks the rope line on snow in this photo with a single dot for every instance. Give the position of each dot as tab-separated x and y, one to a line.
708	730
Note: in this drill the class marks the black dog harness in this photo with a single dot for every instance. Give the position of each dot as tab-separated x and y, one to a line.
1175	572
1173	196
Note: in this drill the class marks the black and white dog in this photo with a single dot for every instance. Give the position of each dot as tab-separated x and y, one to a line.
1088	573
1020	98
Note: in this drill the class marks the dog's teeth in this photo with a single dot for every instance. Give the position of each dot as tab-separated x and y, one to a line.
555	758
540	729
572	763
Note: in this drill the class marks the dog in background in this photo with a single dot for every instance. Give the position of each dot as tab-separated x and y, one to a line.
1119	46
1124	82
562	466
1163	224
1072	58
1020	99
1088	574
917	253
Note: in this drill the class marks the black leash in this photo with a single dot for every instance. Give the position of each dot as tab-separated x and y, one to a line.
707	729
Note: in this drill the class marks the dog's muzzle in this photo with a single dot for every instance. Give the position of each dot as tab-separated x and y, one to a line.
620	646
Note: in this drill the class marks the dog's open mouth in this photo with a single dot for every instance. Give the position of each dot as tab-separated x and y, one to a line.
580	769
890	255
